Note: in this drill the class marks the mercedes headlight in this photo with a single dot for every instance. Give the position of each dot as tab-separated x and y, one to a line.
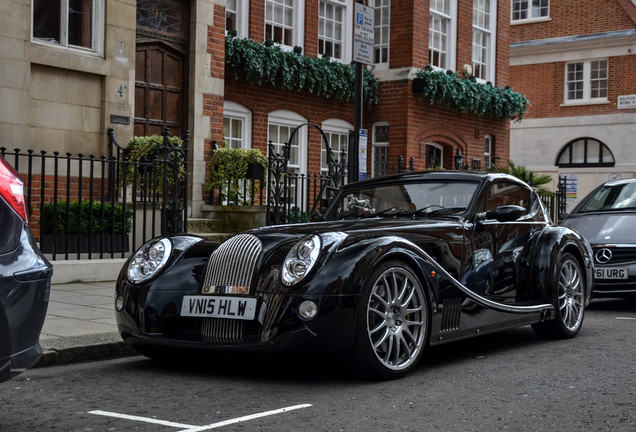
301	259
148	260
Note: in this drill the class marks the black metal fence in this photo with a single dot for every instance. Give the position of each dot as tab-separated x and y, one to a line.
556	202
89	207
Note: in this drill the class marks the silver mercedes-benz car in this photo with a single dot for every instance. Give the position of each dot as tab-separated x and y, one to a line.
607	219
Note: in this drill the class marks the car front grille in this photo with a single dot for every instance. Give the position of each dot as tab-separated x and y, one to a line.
232	265
620	255
222	331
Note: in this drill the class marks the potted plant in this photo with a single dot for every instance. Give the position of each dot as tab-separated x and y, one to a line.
85	226
229	168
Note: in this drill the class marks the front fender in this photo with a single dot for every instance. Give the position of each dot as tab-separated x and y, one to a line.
551	244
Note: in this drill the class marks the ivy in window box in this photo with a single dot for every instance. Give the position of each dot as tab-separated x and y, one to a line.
290	70
466	95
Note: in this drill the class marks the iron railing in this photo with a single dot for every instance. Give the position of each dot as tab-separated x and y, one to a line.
90	207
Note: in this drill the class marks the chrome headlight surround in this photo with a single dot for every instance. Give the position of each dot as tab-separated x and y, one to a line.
301	259
149	260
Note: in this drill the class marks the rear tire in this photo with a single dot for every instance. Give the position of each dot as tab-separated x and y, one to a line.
568	300
391	323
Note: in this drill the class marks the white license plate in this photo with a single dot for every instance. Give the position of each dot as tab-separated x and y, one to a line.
610	273
241	308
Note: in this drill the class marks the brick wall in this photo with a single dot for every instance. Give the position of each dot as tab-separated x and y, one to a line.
543	84
588	17
413	123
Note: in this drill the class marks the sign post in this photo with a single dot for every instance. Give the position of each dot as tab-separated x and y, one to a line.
362	54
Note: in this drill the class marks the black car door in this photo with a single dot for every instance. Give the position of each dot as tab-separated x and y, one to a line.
499	246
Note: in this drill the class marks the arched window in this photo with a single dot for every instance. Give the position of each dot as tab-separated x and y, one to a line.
585	152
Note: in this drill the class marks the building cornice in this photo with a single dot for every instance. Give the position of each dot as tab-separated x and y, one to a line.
571	48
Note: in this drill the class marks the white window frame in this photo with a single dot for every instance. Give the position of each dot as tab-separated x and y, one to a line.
242	18
339	127
292	120
450	49
379	144
488	157
97	48
382	29
347	29
235	111
298	24
531	9
587	84
491	46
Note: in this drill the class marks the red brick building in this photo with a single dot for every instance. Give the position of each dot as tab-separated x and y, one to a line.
409	35
575	65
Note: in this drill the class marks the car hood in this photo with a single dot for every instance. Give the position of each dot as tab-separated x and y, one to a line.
365	228
604	227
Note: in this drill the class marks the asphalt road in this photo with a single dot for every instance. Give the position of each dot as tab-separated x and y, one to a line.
508	381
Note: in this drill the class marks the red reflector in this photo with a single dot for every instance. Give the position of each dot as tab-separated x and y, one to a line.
12	189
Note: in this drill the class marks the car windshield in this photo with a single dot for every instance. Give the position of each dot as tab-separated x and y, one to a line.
612	197
425	198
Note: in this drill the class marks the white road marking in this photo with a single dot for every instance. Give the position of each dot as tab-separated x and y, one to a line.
246	418
142	419
193	428
625	318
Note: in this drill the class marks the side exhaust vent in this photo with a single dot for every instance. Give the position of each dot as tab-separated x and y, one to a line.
451	314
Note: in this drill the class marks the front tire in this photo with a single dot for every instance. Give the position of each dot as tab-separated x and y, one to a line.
569	301
392	323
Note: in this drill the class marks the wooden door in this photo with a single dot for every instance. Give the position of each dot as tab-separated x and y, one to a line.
161	67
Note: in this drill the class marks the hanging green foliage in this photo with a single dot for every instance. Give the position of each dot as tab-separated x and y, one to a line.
469	96
290	70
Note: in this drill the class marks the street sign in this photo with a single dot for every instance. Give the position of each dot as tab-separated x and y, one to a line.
363	34
362	154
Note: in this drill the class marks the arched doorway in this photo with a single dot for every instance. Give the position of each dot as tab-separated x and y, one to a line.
161	67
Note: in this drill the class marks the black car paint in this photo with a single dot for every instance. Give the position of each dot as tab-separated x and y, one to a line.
25	280
437	249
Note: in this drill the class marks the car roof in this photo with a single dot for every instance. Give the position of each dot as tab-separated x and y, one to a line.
477	176
619	182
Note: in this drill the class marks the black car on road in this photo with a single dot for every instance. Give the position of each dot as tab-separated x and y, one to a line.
25	280
395	264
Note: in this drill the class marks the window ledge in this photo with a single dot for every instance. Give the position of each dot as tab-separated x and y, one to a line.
530	21
585	102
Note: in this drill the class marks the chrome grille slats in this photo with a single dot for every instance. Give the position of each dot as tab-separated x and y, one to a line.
222	331
233	262
620	254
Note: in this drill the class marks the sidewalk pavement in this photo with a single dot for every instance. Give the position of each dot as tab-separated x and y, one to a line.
80	324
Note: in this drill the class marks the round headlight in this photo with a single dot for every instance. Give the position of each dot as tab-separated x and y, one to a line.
148	260
300	259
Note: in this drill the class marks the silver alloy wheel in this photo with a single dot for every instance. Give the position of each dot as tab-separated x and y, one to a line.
397	318
571	294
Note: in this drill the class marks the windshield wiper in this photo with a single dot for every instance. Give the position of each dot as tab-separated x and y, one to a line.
426	209
438	211
394	211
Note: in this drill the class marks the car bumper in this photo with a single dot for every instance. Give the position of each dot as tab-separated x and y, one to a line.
152	319
19	362
615	287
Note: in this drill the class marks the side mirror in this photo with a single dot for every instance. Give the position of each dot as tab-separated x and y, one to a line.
507	213
314	216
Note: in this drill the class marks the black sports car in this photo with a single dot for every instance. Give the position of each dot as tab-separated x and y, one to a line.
25	280
606	217
394	265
